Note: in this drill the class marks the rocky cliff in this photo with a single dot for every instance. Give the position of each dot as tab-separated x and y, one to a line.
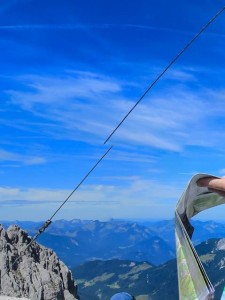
11	298
38	275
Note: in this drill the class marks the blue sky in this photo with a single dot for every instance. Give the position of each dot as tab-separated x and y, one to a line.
70	71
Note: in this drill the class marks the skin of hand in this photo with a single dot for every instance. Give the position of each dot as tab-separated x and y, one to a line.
214	184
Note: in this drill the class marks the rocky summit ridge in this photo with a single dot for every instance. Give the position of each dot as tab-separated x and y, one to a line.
11	298
37	275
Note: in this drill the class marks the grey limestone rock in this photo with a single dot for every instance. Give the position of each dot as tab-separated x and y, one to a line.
37	275
221	244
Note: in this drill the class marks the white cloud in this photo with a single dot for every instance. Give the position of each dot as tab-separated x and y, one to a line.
131	156
7	156
89	26
146	190
62	90
35	161
87	107
137	198
181	75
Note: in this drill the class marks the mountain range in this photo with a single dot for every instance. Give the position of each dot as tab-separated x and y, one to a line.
107	257
99	280
77	241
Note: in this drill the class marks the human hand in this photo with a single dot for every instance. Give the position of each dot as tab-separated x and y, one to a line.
214	184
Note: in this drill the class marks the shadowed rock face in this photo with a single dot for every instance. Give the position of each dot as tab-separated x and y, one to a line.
38	275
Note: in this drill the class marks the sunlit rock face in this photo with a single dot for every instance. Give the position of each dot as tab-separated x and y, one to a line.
37	275
11	298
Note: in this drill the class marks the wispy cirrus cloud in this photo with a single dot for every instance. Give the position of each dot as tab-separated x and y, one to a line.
79	26
6	156
87	106
181	75
102	26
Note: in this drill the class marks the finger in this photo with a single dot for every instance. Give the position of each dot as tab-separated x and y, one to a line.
212	183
